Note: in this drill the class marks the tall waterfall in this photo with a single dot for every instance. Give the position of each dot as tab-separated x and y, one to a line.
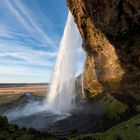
62	94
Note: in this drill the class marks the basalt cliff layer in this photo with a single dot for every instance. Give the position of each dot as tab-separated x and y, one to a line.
110	31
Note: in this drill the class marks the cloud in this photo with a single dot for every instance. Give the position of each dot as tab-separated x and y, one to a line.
7	32
27	47
25	53
27	20
22	70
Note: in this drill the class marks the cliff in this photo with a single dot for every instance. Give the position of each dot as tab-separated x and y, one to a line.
110	31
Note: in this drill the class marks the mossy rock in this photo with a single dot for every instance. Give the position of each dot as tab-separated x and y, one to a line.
3	122
128	130
110	106
13	132
18	135
138	108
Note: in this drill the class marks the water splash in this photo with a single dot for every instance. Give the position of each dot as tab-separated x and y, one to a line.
83	91
61	97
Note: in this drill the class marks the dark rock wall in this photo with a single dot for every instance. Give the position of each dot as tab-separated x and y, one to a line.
110	30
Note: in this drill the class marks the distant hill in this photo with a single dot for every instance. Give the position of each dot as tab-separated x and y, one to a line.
6	85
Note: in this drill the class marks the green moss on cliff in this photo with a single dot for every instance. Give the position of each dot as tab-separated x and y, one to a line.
111	107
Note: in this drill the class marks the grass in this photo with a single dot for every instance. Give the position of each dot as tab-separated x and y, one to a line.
6	99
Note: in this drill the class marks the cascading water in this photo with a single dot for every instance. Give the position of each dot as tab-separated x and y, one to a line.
61	96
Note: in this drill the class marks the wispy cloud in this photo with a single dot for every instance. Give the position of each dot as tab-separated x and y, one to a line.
28	40
23	70
24	53
18	40
27	20
25	47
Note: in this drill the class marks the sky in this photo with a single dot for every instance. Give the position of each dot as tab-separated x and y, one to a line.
30	33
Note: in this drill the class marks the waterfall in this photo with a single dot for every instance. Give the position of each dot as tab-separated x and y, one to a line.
83	92
62	94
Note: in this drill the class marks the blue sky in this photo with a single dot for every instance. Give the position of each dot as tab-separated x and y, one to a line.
30	33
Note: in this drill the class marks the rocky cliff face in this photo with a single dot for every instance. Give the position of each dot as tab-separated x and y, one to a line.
110	30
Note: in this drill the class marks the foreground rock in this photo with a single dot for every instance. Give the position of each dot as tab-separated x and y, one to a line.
128	130
12	132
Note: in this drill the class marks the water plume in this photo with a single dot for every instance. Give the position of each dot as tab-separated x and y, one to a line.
61	96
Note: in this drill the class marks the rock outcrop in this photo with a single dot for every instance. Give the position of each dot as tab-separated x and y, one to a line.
110	30
126	130
13	132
